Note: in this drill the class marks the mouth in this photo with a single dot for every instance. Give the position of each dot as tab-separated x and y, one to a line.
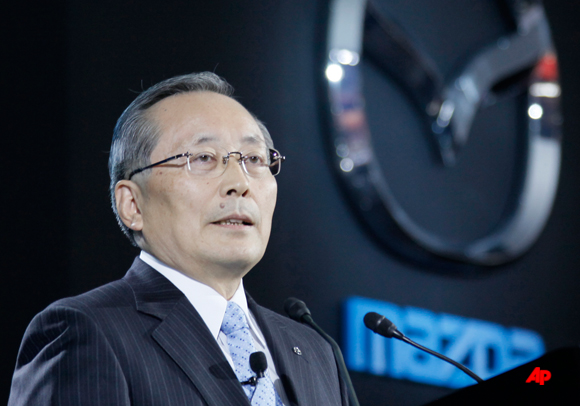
239	221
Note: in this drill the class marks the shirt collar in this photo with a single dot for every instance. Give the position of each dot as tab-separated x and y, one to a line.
210	305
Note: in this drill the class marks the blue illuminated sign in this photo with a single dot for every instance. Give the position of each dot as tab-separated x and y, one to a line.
486	348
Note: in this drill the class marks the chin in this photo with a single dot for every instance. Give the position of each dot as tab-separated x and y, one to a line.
240	260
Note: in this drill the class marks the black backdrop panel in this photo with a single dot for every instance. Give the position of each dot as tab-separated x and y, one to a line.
102	53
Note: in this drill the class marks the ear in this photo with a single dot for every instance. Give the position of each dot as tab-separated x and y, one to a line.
128	199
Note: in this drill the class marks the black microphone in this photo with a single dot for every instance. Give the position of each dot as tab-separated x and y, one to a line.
384	327
298	311
259	364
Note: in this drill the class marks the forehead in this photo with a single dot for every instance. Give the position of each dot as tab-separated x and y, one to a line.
194	117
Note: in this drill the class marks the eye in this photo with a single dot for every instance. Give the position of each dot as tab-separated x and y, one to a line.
203	159
255	159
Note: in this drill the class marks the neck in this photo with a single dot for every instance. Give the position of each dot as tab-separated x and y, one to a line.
224	279
227	290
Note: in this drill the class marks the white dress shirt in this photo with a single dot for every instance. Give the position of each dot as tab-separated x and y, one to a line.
211	306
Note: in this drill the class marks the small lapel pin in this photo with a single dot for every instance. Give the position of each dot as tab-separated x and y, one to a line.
297	351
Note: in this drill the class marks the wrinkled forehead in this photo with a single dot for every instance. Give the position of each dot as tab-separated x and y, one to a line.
199	118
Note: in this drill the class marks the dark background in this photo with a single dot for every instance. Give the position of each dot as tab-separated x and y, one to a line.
70	68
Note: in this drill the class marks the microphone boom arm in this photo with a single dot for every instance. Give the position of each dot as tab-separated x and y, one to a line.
441	356
298	311
384	327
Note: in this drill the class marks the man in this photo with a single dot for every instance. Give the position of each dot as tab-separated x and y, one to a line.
192	184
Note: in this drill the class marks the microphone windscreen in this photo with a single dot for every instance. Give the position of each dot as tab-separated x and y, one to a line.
296	309
379	324
258	362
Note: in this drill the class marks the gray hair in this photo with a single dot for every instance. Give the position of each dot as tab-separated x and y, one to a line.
136	136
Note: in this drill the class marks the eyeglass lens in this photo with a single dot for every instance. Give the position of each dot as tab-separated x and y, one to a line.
211	161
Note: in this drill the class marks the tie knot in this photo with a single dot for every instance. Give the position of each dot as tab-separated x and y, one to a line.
234	319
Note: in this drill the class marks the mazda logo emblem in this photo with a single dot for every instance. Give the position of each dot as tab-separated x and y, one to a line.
359	30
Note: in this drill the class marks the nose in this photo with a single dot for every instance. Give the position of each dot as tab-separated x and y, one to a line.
234	181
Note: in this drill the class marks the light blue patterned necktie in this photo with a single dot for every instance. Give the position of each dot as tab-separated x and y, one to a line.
241	345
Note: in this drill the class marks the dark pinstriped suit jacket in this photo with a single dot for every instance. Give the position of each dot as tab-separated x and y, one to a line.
139	341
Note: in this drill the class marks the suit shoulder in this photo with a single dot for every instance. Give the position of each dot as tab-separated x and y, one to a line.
114	293
62	347
98	307
94	315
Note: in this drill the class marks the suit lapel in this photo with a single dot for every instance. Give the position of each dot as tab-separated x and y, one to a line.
185	337
281	342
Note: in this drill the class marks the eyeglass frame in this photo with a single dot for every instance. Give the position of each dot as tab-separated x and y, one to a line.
274	153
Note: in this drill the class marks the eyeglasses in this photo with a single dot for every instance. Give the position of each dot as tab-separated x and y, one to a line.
211	162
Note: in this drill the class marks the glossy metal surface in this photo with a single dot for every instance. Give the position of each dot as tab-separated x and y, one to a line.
357	29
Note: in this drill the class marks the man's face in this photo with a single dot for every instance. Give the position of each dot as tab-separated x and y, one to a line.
185	217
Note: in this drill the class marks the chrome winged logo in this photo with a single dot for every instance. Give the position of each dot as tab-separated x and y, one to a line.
358	29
